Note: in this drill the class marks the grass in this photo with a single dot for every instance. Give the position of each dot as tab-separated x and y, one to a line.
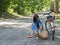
10	14
57	16
58	22
7	15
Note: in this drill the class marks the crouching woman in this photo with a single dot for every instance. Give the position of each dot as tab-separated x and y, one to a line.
37	25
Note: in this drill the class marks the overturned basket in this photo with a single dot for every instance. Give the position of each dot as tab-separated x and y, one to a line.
43	35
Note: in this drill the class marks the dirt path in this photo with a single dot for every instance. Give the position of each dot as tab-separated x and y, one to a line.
15	32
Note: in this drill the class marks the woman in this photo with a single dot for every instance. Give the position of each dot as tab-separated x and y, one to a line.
37	24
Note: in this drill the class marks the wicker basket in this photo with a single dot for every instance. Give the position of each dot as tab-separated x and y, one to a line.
43	34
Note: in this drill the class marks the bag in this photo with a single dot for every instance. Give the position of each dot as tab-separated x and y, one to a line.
43	34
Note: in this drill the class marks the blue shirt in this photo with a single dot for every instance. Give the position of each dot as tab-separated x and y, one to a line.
34	26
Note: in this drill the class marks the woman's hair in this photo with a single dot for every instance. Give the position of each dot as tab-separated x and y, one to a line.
35	18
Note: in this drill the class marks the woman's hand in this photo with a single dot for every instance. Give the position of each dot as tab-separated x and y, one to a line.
40	28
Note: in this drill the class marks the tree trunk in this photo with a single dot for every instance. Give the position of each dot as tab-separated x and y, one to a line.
56	6
52	7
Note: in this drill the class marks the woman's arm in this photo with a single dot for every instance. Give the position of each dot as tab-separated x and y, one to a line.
40	22
34	28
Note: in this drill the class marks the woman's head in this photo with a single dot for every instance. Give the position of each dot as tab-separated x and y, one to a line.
35	18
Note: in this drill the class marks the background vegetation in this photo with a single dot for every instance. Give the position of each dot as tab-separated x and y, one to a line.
27	7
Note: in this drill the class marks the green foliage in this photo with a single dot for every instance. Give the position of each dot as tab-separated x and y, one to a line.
4	4
25	7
